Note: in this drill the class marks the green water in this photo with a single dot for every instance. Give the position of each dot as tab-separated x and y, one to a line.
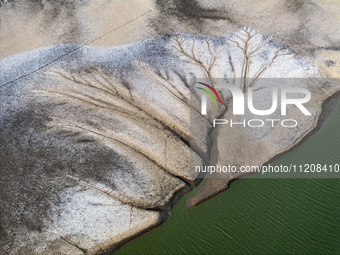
260	216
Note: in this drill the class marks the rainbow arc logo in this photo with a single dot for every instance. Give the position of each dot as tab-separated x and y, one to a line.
204	100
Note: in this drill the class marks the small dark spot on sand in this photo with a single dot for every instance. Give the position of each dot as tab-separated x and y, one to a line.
189	12
330	62
295	5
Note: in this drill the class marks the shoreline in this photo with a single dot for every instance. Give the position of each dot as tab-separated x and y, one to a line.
164	216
